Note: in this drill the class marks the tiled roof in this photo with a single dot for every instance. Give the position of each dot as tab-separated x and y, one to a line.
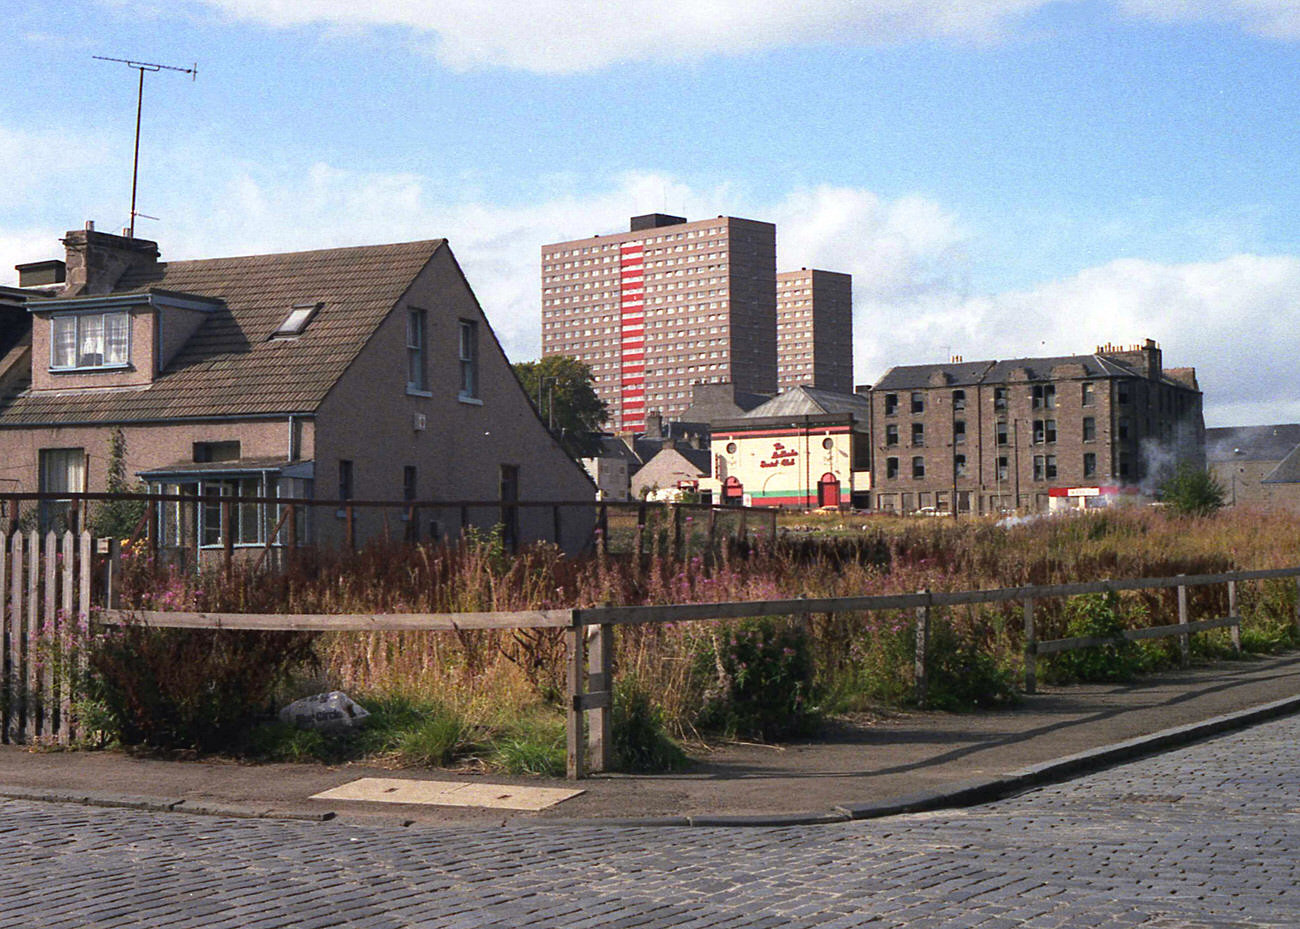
1251	443
230	366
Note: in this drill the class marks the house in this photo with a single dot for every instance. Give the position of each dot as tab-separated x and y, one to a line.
1256	465
1032	434
365	373
675	469
803	448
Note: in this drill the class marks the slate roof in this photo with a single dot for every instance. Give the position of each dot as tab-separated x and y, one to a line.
970	373
809	401
1251	443
1288	471
230	366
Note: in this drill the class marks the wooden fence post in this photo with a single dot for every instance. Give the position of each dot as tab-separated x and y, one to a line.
67	619
1184	637
713	526
33	624
677	530
922	645
1297	605
555	525
349	528
1235	628
17	695
604	529
575	640
1031	649
112	575
640	527
4	628
600	680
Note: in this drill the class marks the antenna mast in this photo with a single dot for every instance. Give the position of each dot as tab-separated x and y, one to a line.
142	67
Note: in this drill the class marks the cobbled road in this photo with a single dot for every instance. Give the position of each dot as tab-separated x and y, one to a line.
1203	837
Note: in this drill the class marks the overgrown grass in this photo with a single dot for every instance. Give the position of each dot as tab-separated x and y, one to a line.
492	698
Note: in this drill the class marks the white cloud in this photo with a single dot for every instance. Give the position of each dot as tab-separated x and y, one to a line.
557	36
565	36
1274	19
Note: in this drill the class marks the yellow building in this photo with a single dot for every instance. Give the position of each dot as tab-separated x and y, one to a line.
804	448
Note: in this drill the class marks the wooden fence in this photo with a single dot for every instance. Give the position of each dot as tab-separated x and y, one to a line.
47	582
45	595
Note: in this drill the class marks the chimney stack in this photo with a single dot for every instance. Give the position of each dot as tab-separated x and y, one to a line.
96	261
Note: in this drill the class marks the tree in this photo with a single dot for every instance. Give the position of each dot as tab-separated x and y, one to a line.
1192	492
560	388
118	518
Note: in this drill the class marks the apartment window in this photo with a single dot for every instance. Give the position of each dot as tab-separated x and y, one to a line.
468	359
1089	429
1050	467
1121	391
959	432
1122	428
1040	432
1001	433
1087	395
918	468
891	404
346	485
416	378
1049	430
999	398
62	471
1123	464
891	434
959	466
1044	397
918	434
1002	468
1089	464
958	400
918	402
1040	467
891	468
91	340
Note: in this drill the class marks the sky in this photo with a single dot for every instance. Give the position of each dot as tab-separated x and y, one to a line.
1003	178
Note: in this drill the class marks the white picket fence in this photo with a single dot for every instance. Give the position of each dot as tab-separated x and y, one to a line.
45	591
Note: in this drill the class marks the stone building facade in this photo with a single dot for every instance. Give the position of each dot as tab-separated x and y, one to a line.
1032	434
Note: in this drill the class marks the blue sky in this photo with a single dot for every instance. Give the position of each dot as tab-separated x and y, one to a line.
1002	177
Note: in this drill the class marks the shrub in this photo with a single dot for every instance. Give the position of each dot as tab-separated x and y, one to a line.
762	670
201	689
1192	492
641	742
1095	615
963	676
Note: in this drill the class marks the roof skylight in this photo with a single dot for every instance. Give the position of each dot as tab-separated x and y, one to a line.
294	324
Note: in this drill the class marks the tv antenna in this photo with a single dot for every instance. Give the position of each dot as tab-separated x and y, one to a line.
142	67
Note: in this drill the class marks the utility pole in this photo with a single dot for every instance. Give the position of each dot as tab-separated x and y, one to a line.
142	67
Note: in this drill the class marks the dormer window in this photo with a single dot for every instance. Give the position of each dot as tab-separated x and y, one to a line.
90	340
296	321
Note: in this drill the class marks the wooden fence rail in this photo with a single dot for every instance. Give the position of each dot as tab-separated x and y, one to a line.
589	633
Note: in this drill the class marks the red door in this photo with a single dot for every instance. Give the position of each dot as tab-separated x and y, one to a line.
828	490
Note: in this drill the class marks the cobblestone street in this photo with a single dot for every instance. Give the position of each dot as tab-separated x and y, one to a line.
1203	837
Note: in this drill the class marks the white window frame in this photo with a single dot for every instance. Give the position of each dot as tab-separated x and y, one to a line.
80	324
467	349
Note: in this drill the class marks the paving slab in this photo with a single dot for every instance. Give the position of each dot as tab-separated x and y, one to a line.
886	761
